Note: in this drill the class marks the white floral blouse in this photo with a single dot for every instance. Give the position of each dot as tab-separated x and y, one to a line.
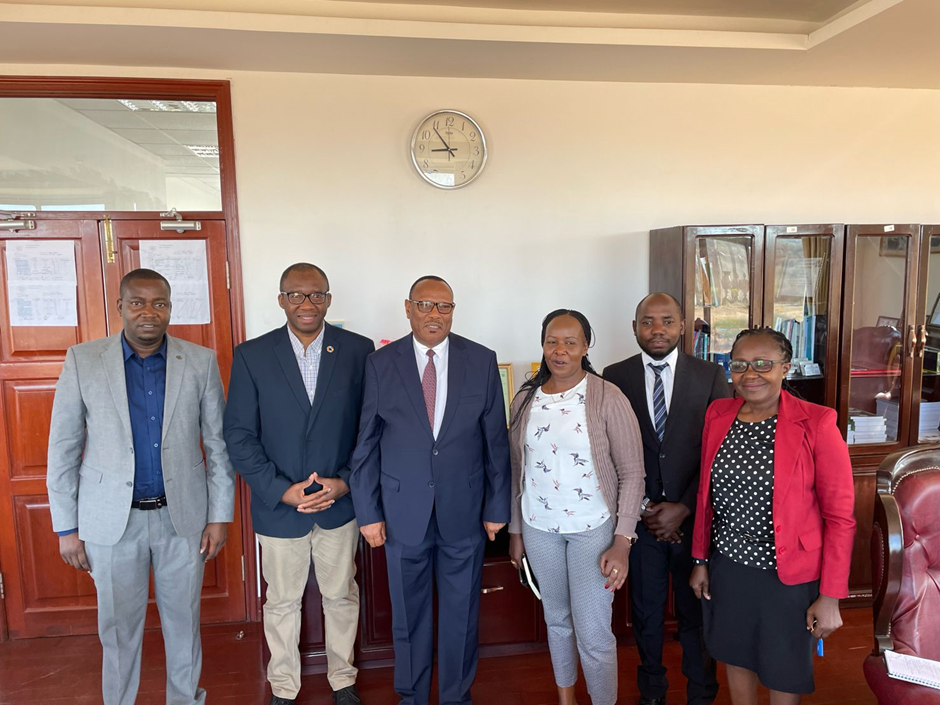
562	494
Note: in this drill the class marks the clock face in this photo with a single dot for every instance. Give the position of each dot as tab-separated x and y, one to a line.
448	149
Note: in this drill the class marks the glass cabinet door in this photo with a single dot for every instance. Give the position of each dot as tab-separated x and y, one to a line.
727	290
925	419
803	302
875	406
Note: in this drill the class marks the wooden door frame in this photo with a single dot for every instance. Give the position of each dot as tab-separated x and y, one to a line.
911	272
836	232
220	92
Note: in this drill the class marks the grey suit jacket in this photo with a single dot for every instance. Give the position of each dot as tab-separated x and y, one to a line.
90	474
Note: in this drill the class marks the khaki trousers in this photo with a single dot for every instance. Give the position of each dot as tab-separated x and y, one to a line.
285	564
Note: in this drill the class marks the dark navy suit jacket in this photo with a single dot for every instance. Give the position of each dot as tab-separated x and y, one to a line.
275	437
400	472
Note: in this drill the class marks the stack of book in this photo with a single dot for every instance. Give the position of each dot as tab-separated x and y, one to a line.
929	424
929	429
866	427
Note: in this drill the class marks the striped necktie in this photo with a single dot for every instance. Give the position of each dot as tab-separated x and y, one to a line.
659	399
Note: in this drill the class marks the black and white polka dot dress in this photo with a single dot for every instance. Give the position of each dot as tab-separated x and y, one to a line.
753	620
743	493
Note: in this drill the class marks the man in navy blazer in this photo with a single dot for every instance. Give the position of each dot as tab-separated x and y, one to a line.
430	481
290	427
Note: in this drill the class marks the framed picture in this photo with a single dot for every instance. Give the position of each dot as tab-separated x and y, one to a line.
505	376
889	321
893	246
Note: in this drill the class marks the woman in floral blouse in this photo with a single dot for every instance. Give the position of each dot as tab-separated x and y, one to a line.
577	467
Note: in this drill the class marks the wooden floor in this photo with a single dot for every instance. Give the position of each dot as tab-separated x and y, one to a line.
67	670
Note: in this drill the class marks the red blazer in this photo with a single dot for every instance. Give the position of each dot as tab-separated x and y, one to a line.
814	494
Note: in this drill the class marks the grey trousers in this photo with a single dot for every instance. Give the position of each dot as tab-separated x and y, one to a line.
578	610
121	573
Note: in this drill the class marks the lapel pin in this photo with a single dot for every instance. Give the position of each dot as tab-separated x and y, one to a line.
329	348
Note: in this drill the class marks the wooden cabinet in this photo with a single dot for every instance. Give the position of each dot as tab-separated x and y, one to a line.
861	307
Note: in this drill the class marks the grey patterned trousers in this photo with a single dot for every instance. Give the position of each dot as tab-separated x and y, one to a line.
578	610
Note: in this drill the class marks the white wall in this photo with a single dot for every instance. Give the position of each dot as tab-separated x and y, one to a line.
578	173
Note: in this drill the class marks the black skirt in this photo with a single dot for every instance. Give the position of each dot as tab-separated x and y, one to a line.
756	622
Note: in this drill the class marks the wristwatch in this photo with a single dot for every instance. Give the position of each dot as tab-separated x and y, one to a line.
643	505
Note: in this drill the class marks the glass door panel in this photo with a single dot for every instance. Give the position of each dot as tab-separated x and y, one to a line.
722	295
928	416
801	295
877	355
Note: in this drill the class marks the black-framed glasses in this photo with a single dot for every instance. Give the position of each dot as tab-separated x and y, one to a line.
759	366
297	297
443	308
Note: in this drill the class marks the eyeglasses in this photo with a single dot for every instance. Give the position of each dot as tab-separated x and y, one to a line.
426	306
760	366
297	297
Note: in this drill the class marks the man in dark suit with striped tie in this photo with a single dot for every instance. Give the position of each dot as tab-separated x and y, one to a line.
672	439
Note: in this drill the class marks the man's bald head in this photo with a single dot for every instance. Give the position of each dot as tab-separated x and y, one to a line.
659	324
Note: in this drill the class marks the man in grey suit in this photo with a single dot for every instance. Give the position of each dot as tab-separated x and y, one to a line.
129	489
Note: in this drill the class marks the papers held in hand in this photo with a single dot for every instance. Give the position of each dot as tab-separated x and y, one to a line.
527	578
913	669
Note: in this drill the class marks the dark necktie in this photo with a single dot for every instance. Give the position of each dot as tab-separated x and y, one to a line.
429	386
659	399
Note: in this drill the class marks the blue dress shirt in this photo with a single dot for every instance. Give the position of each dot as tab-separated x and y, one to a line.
146	391
145	379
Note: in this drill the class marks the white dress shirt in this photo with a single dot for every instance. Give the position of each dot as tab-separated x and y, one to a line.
440	364
668	375
308	360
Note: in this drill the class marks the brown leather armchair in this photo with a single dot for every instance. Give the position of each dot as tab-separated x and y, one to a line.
905	547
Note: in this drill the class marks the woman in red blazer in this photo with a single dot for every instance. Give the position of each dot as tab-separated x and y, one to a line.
774	526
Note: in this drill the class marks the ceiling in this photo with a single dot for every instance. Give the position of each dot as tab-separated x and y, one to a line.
183	135
802	10
872	43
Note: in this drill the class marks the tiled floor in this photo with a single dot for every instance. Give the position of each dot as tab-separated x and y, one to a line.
67	670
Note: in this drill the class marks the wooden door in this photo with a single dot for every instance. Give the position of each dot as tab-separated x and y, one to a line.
803	300
223	589
43	595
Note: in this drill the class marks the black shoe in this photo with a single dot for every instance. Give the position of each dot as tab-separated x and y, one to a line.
275	700
653	701
346	696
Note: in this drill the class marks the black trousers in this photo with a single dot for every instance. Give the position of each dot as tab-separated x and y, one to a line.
651	563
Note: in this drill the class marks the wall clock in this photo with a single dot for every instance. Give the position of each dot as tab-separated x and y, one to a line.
448	149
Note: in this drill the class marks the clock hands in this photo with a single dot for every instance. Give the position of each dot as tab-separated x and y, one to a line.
447	148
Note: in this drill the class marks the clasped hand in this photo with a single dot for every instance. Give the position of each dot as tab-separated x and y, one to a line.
333	489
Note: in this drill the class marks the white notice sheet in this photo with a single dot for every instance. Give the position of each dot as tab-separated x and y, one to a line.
42	283
184	264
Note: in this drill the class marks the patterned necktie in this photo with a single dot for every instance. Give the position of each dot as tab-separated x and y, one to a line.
659	399
429	385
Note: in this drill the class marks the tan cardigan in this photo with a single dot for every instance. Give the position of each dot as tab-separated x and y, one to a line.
616	451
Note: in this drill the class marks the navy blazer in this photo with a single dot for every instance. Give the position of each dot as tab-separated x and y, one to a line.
276	438
400	473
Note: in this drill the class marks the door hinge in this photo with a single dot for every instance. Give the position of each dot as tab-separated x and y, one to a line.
228	276
3	594
243	571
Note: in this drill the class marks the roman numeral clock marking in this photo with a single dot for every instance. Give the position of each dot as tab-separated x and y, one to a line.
448	149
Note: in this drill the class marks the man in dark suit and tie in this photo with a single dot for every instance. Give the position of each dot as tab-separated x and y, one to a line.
290	427
672	440
430	481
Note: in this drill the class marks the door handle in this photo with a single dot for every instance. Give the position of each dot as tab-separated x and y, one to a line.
912	341
111	253
488	590
923	340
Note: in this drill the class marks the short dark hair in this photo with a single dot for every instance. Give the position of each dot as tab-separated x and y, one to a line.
657	293
775	336
303	267
141	274
426	278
